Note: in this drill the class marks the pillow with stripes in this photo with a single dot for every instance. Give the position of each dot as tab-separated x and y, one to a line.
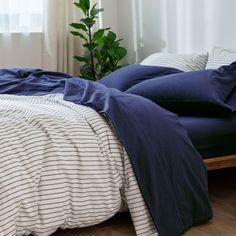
184	62
219	57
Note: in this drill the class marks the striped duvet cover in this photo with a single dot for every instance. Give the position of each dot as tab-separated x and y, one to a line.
61	165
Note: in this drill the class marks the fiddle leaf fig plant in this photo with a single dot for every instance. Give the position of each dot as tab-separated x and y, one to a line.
102	50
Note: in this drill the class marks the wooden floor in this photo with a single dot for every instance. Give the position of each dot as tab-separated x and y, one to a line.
222	188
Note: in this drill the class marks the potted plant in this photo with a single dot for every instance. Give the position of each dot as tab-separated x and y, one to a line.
103	52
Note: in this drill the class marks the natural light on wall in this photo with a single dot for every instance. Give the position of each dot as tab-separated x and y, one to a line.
21	16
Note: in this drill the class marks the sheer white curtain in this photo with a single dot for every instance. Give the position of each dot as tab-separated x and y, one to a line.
21	16
37	34
20	33
58	45
181	26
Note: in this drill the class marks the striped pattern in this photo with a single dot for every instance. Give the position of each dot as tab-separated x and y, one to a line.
62	166
184	62
219	57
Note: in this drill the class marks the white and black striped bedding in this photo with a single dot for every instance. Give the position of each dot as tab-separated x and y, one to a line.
220	57
61	165
184	62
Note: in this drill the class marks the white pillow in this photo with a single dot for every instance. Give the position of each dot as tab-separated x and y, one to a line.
219	57
184	62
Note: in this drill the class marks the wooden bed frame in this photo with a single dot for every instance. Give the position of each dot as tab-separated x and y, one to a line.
220	162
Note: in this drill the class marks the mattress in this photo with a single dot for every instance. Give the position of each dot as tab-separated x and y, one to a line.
212	136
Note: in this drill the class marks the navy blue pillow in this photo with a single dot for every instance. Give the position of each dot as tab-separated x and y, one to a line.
191	93
130	75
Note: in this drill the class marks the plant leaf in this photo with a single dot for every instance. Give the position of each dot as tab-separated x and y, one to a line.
88	21
79	26
112	53
111	36
100	42
82	59
90	46
80	6
76	33
121	53
85	4
98	34
94	11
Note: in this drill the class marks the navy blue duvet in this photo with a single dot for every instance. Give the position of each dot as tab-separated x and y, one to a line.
170	172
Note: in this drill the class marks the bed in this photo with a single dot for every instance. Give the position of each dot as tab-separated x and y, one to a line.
75	152
217	57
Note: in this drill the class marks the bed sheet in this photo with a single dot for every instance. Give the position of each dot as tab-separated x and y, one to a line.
212	136
62	166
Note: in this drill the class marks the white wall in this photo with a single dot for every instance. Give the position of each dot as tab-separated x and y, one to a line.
181	26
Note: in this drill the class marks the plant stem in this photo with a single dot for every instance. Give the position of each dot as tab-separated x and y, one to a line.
91	54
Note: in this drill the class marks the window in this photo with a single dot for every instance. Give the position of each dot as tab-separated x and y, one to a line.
21	16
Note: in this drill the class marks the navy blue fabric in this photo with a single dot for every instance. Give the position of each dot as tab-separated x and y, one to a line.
212	136
191	93
231	100
128	76
169	171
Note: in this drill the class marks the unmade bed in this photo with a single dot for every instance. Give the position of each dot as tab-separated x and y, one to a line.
73	153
